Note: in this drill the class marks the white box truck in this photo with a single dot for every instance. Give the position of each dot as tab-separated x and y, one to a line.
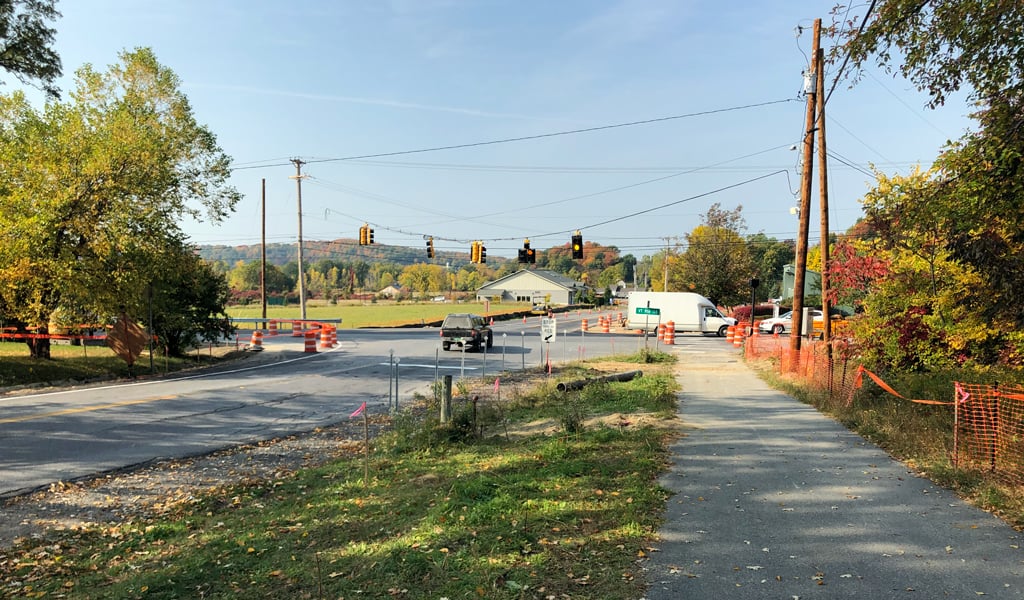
690	312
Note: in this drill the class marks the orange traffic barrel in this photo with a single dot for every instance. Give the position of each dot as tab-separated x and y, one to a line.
730	333
296	329
272	327
737	339
661	332
670	333
325	337
310	341
584	324
256	341
606	325
334	335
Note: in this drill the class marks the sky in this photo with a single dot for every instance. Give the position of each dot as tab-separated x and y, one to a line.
713	87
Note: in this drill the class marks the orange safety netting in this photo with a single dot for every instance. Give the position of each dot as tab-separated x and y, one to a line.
988	420
988	429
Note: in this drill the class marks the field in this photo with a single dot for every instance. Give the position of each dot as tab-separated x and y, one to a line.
376	314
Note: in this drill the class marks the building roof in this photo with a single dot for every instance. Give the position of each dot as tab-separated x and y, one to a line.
555	279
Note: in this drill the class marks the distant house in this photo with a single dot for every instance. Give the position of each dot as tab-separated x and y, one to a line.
392	291
812	282
526	286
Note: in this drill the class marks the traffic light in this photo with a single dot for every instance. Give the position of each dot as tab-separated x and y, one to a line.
577	245
483	253
474	252
527	254
430	247
363	235
369	235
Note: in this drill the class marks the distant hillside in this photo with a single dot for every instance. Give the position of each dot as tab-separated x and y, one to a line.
343	249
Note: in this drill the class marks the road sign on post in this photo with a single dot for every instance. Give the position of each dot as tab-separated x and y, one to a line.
547	329
640	310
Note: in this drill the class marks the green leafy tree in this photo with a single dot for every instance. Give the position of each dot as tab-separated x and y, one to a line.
247	277
189	300
770	256
25	42
939	45
716	262
91	191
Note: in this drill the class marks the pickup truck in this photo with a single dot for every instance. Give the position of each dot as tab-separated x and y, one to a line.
467	331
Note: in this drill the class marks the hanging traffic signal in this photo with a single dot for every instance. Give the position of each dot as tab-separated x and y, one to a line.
483	253
430	247
474	252
522	255
528	254
369	235
577	245
362	234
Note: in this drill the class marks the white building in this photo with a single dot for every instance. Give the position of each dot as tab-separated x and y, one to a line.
526	286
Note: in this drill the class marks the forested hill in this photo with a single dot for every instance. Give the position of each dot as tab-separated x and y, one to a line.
347	250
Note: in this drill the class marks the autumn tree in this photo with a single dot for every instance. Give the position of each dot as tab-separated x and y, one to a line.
91	191
25	42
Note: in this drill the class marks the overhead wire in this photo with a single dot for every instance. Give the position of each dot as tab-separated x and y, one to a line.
535	137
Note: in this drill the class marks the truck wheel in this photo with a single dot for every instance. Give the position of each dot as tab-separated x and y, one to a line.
446	345
490	340
724	329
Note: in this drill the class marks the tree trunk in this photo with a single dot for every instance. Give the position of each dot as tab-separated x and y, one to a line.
39	347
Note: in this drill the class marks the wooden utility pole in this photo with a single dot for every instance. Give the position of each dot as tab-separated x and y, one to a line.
302	273
826	334
800	274
263	248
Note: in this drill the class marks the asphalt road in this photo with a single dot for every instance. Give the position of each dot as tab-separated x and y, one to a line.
774	500
67	434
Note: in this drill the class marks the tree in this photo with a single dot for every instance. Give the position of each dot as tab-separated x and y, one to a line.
770	256
91	191
25	40
716	262
943	44
189	300
247	277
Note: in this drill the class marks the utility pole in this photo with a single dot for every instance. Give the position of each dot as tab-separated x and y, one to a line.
263	248
667	251
805	203
826	334
302	273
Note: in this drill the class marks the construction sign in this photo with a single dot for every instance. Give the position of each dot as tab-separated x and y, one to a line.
127	339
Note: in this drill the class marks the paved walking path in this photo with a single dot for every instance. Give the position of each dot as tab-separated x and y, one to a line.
774	500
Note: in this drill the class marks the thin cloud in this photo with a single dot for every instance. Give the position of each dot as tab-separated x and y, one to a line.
370	102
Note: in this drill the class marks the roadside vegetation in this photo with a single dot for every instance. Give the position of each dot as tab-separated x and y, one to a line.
538	494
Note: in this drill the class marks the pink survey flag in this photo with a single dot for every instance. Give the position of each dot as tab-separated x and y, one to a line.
497	383
359	411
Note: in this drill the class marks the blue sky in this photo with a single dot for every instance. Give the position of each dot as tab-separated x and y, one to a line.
325	80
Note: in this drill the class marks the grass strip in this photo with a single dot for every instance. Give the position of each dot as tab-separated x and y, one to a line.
444	515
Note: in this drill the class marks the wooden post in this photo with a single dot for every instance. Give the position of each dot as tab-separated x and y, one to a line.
446	400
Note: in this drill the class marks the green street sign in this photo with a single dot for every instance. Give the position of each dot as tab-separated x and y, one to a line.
640	310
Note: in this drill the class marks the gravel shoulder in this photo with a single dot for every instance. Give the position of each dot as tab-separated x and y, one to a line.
149	489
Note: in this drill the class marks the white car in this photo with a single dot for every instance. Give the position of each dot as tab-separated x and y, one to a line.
784	322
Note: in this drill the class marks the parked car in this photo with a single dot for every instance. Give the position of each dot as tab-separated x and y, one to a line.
784	322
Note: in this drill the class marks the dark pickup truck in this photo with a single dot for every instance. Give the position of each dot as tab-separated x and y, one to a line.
467	331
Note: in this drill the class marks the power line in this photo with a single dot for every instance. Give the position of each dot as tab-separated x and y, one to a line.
846	59
688	199
538	136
